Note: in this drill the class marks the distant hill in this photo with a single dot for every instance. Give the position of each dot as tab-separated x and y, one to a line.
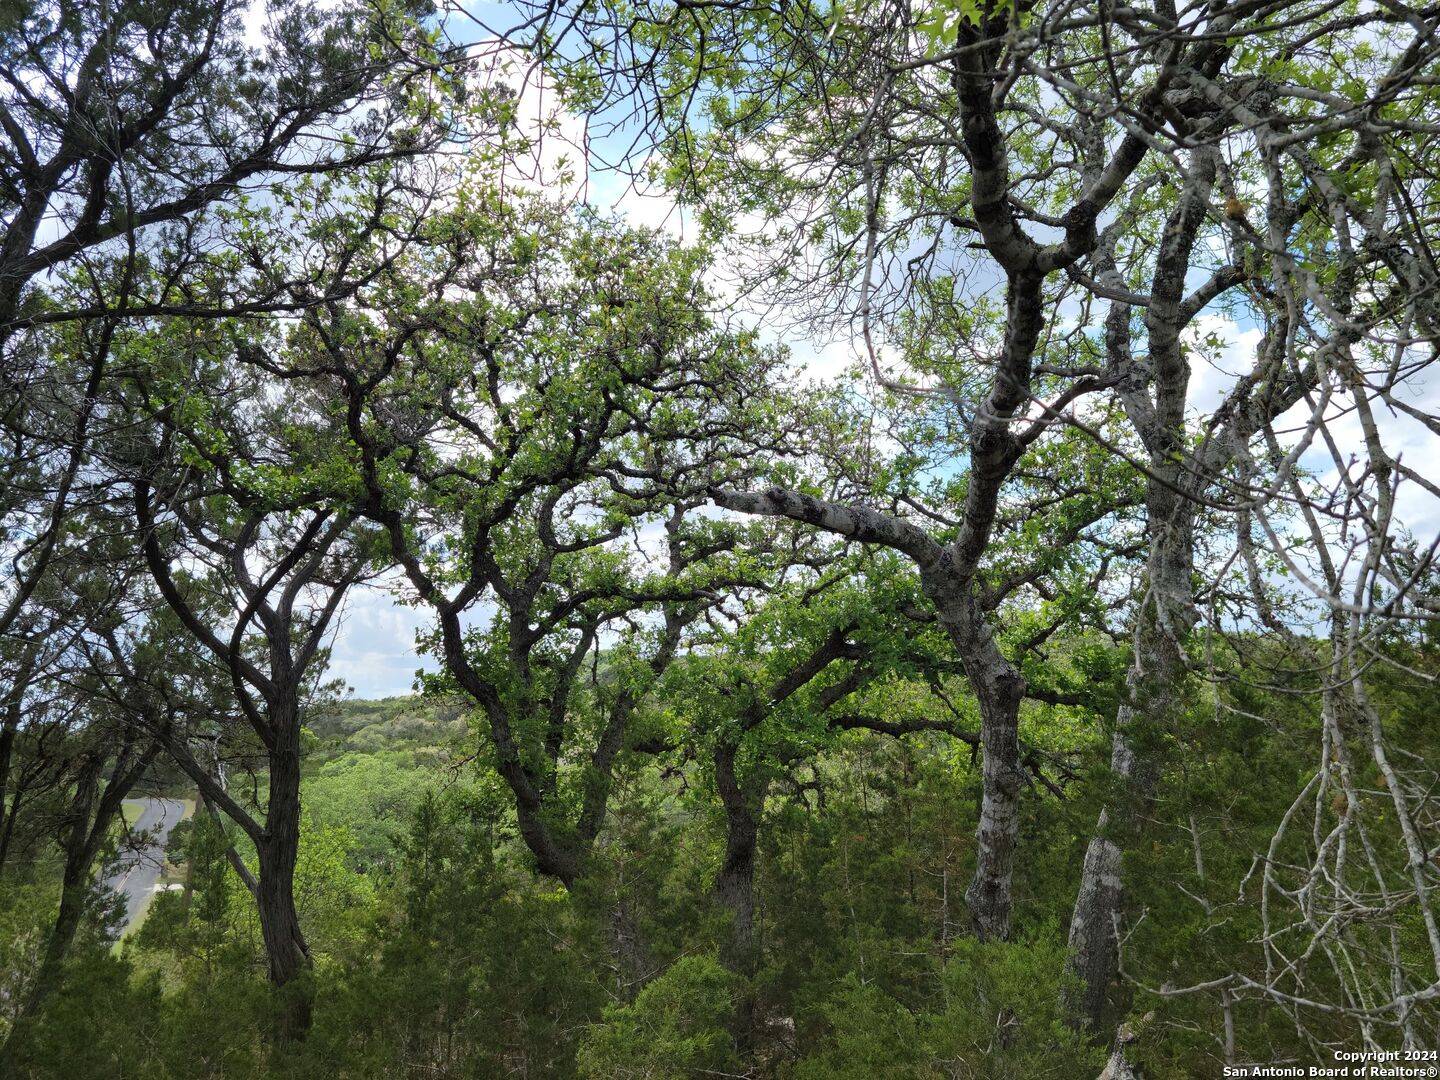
398	723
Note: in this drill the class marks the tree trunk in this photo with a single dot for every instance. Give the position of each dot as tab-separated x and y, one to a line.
999	689
1153	686
9	730
7	832
285	948
1092	944
735	886
91	819
631	956
1166	611
1165	614
735	881
74	887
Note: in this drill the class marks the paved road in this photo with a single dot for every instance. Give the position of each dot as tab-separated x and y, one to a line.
138	872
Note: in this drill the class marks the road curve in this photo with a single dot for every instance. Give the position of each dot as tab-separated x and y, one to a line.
138	871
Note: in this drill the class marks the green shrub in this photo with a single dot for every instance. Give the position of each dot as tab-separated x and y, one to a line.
676	1027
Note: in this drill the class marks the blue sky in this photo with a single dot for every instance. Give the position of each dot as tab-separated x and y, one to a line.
374	647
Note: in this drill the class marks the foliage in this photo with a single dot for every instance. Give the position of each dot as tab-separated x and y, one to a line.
677	1027
1055	682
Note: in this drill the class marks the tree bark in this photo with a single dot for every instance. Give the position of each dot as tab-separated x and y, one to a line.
735	880
631	955
1166	612
1153	687
948	575
1092	943
74	888
10	720
277	848
285	949
999	689
735	886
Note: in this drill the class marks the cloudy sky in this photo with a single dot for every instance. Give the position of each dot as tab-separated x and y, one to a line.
374	649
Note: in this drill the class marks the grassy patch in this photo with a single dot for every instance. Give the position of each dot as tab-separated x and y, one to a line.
131	809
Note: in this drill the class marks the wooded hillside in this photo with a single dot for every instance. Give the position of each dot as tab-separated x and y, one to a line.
913	527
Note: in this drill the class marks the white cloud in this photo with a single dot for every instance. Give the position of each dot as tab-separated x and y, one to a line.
374	645
1220	352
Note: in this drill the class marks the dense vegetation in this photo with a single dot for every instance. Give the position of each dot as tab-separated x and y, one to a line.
436	947
1048	691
